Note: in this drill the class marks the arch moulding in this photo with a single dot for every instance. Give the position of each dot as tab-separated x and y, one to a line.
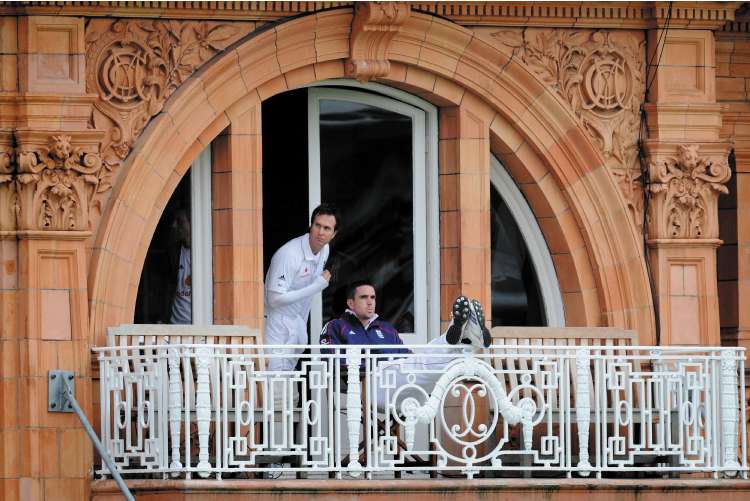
597	253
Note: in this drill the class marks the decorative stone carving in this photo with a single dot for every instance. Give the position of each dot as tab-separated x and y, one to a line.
57	178
374	26
8	199
600	74
684	191
135	65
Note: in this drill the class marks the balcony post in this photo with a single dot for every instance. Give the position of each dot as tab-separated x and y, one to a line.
353	406
203	409
175	407
729	415
583	409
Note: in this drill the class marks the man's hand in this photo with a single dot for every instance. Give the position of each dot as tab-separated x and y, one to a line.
326	275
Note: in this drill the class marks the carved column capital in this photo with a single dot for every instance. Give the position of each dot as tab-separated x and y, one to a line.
374	26
7	185
58	174
685	181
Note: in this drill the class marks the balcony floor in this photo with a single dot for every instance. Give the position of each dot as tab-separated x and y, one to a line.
419	490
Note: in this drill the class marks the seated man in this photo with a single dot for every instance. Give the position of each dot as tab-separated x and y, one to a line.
360	325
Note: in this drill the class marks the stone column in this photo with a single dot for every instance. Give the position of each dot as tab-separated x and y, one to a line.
9	342
465	248
56	176
238	219
742	158
10	436
688	169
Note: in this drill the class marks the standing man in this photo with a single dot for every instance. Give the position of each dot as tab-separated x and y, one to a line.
297	272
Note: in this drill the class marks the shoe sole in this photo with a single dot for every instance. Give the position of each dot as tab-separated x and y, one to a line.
460	313
486	337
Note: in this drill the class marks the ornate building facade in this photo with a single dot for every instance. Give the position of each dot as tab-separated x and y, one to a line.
624	126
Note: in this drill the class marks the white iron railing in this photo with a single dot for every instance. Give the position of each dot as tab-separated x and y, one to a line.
189	409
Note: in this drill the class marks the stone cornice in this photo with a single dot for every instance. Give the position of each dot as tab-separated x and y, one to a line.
633	15
681	243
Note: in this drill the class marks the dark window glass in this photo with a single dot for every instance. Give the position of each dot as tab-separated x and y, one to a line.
165	289
366	170
515	291
285	181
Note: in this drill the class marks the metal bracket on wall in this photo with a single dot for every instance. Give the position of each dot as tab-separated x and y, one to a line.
61	397
57	395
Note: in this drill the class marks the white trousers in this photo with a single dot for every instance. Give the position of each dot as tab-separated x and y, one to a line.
414	375
284	330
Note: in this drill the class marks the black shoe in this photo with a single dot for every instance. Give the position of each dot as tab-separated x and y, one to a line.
486	337
460	314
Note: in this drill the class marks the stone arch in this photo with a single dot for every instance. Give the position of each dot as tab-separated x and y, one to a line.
599	259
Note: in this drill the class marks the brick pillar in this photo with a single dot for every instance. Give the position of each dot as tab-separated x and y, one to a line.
465	247
238	221
688	170
49	173
10	458
742	159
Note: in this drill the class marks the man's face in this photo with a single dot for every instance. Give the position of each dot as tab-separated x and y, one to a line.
322	231
363	304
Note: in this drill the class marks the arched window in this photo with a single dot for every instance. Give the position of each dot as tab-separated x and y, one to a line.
525	290
176	283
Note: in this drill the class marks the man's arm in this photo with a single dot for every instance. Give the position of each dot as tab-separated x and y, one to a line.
281	272
277	299
330	336
394	337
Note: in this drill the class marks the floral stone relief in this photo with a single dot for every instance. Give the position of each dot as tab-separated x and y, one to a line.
135	65
57	178
684	188
600	75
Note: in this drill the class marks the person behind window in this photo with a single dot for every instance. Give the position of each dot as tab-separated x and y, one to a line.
182	298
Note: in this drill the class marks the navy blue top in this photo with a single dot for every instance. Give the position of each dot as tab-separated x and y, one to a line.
349	330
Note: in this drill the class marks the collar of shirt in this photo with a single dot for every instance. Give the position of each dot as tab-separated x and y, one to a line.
369	322
307	250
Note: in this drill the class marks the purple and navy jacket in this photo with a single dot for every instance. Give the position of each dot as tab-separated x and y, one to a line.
347	329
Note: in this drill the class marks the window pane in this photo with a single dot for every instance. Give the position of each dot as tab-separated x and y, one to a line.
366	170
285	175
165	289
515	290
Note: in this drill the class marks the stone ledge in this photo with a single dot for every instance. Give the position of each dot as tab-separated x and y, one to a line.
633	15
460	489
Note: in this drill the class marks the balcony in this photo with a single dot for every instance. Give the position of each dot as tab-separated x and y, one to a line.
200	411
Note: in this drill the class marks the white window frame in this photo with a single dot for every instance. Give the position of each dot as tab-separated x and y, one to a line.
425	194
541	258
201	248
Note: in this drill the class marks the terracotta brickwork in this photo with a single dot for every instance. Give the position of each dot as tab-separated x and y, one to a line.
238	219
104	109
732	63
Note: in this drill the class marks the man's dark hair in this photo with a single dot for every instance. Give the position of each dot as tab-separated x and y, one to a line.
351	289
326	210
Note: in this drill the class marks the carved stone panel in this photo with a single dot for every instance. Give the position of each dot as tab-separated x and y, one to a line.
685	183
600	75
57	178
373	28
51	54
135	65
